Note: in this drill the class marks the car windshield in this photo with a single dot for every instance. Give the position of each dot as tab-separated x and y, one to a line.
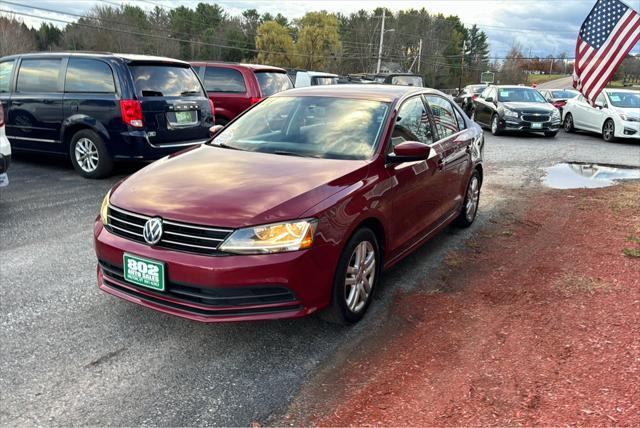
564	94
322	127
322	80
153	80
272	83
624	99
475	89
407	80
520	95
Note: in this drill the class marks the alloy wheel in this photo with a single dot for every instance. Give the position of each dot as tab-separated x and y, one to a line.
494	125
568	123
86	154
360	276
473	198
608	130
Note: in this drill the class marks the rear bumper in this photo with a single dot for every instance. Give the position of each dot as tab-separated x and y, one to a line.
136	145
218	288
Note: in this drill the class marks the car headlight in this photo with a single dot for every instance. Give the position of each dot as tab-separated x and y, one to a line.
510	113
623	116
104	208
271	238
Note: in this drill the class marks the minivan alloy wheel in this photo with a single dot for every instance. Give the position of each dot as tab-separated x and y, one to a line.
86	154
360	276
473	198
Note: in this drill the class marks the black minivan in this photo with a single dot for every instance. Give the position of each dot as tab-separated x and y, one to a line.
99	108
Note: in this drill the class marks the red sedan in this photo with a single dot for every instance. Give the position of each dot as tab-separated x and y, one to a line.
295	207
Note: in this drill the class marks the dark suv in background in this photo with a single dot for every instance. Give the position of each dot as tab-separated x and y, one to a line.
233	88
99	108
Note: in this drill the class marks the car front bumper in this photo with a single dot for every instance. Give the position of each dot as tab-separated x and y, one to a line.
515	124
627	129
219	288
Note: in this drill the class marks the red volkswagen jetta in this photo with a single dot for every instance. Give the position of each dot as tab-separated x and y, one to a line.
294	207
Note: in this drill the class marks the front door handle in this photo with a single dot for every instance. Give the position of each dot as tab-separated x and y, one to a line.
16	103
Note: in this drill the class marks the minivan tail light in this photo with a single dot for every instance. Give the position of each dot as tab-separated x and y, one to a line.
131	113
254	100
1	116
213	109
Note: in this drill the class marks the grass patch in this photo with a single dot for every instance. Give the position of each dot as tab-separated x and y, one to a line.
571	283
626	198
634	239
543	78
632	252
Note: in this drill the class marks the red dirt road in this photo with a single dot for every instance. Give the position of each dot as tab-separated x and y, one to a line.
538	324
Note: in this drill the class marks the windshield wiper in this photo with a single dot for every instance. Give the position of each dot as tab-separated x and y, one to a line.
223	146
182	94
286	153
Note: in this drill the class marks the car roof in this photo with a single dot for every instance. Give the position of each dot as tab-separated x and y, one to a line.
126	57
318	74
386	93
254	67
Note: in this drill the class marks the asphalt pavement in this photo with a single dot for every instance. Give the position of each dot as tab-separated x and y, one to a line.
565	82
71	355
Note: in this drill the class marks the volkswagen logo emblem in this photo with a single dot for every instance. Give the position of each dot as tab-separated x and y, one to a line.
152	231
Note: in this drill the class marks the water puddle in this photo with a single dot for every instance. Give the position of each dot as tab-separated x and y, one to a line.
576	175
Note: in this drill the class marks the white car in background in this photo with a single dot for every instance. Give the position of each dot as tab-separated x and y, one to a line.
616	114
5	151
303	79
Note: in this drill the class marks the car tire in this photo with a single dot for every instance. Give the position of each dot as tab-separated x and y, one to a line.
550	134
471	201
350	297
495	125
568	123
609	131
89	155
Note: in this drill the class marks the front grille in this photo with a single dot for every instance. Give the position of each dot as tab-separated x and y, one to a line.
176	236
212	298
535	118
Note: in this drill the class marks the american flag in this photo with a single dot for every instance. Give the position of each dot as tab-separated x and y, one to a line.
606	37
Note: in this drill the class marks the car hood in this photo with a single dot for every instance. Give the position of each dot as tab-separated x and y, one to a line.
529	107
227	188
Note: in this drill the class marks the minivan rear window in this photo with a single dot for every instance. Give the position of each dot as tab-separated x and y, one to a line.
273	82
39	75
407	80
162	80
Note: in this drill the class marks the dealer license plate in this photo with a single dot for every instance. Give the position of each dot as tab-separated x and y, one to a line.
536	126
144	272
183	117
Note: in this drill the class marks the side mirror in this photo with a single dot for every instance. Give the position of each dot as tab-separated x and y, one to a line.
599	105
489	99
409	151
214	130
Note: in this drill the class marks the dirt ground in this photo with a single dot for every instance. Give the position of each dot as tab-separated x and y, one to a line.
536	322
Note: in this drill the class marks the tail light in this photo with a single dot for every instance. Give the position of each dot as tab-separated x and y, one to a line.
213	110
131	113
254	100
559	103
473	98
1	116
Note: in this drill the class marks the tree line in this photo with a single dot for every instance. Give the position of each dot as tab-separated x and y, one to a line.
323	41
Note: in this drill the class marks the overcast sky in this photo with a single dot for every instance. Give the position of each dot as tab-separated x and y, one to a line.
541	27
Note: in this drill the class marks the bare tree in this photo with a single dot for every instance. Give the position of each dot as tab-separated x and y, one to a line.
15	37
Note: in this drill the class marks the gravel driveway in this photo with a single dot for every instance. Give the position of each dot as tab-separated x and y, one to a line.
72	355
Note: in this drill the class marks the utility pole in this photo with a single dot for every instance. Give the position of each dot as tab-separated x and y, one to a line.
464	49
419	55
381	41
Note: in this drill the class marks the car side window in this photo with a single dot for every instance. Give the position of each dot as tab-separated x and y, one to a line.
6	68
220	79
443	115
601	100
89	75
412	123
461	123
39	75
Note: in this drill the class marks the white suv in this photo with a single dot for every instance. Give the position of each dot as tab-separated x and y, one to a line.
616	114
5	151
